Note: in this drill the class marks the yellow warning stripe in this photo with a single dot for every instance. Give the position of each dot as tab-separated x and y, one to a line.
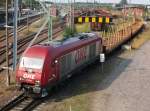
100	20
93	19
107	20
87	19
80	20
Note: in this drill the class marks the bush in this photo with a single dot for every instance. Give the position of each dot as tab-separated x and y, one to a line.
69	32
83	27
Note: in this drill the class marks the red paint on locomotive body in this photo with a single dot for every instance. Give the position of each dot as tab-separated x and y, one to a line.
80	55
43	65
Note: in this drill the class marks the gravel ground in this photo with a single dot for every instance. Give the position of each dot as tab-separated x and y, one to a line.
127	88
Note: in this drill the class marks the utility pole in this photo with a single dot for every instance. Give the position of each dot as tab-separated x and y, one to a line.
28	15
15	34
93	4
70	14
73	11
99	3
7	48
50	34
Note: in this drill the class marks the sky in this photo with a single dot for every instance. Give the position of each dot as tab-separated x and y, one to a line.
131	1
109	1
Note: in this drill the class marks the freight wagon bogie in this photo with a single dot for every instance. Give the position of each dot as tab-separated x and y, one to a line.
45	65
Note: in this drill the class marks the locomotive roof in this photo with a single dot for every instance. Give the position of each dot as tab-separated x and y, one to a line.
70	40
62	47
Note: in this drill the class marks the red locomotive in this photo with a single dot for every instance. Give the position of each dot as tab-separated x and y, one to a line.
45	65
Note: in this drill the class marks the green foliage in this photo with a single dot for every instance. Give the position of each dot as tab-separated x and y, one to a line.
2	3
30	3
83	27
123	2
69	32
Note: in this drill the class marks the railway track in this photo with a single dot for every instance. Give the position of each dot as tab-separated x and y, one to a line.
22	103
20	28
2	48
23	43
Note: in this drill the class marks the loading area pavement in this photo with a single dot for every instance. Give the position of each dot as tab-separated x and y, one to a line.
126	89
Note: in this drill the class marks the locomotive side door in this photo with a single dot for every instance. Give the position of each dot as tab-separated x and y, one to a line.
65	65
53	73
55	69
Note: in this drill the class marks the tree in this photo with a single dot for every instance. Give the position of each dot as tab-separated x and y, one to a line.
30	3
123	2
69	32
2	3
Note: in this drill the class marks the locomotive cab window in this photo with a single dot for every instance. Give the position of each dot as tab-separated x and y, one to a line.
35	63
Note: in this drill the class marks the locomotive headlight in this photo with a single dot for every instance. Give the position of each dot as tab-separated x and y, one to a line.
37	87
18	85
37	83
21	79
56	61
30	71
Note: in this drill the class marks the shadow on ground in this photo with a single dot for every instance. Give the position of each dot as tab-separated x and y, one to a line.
90	78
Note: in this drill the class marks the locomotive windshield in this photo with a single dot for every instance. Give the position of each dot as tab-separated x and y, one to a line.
34	63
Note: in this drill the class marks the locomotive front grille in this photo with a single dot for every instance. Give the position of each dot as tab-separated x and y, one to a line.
36	89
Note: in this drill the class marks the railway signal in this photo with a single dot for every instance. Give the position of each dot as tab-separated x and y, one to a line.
102	57
102	60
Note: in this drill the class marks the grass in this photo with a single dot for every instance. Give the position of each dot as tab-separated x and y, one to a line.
33	28
12	87
38	23
141	39
77	103
83	27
